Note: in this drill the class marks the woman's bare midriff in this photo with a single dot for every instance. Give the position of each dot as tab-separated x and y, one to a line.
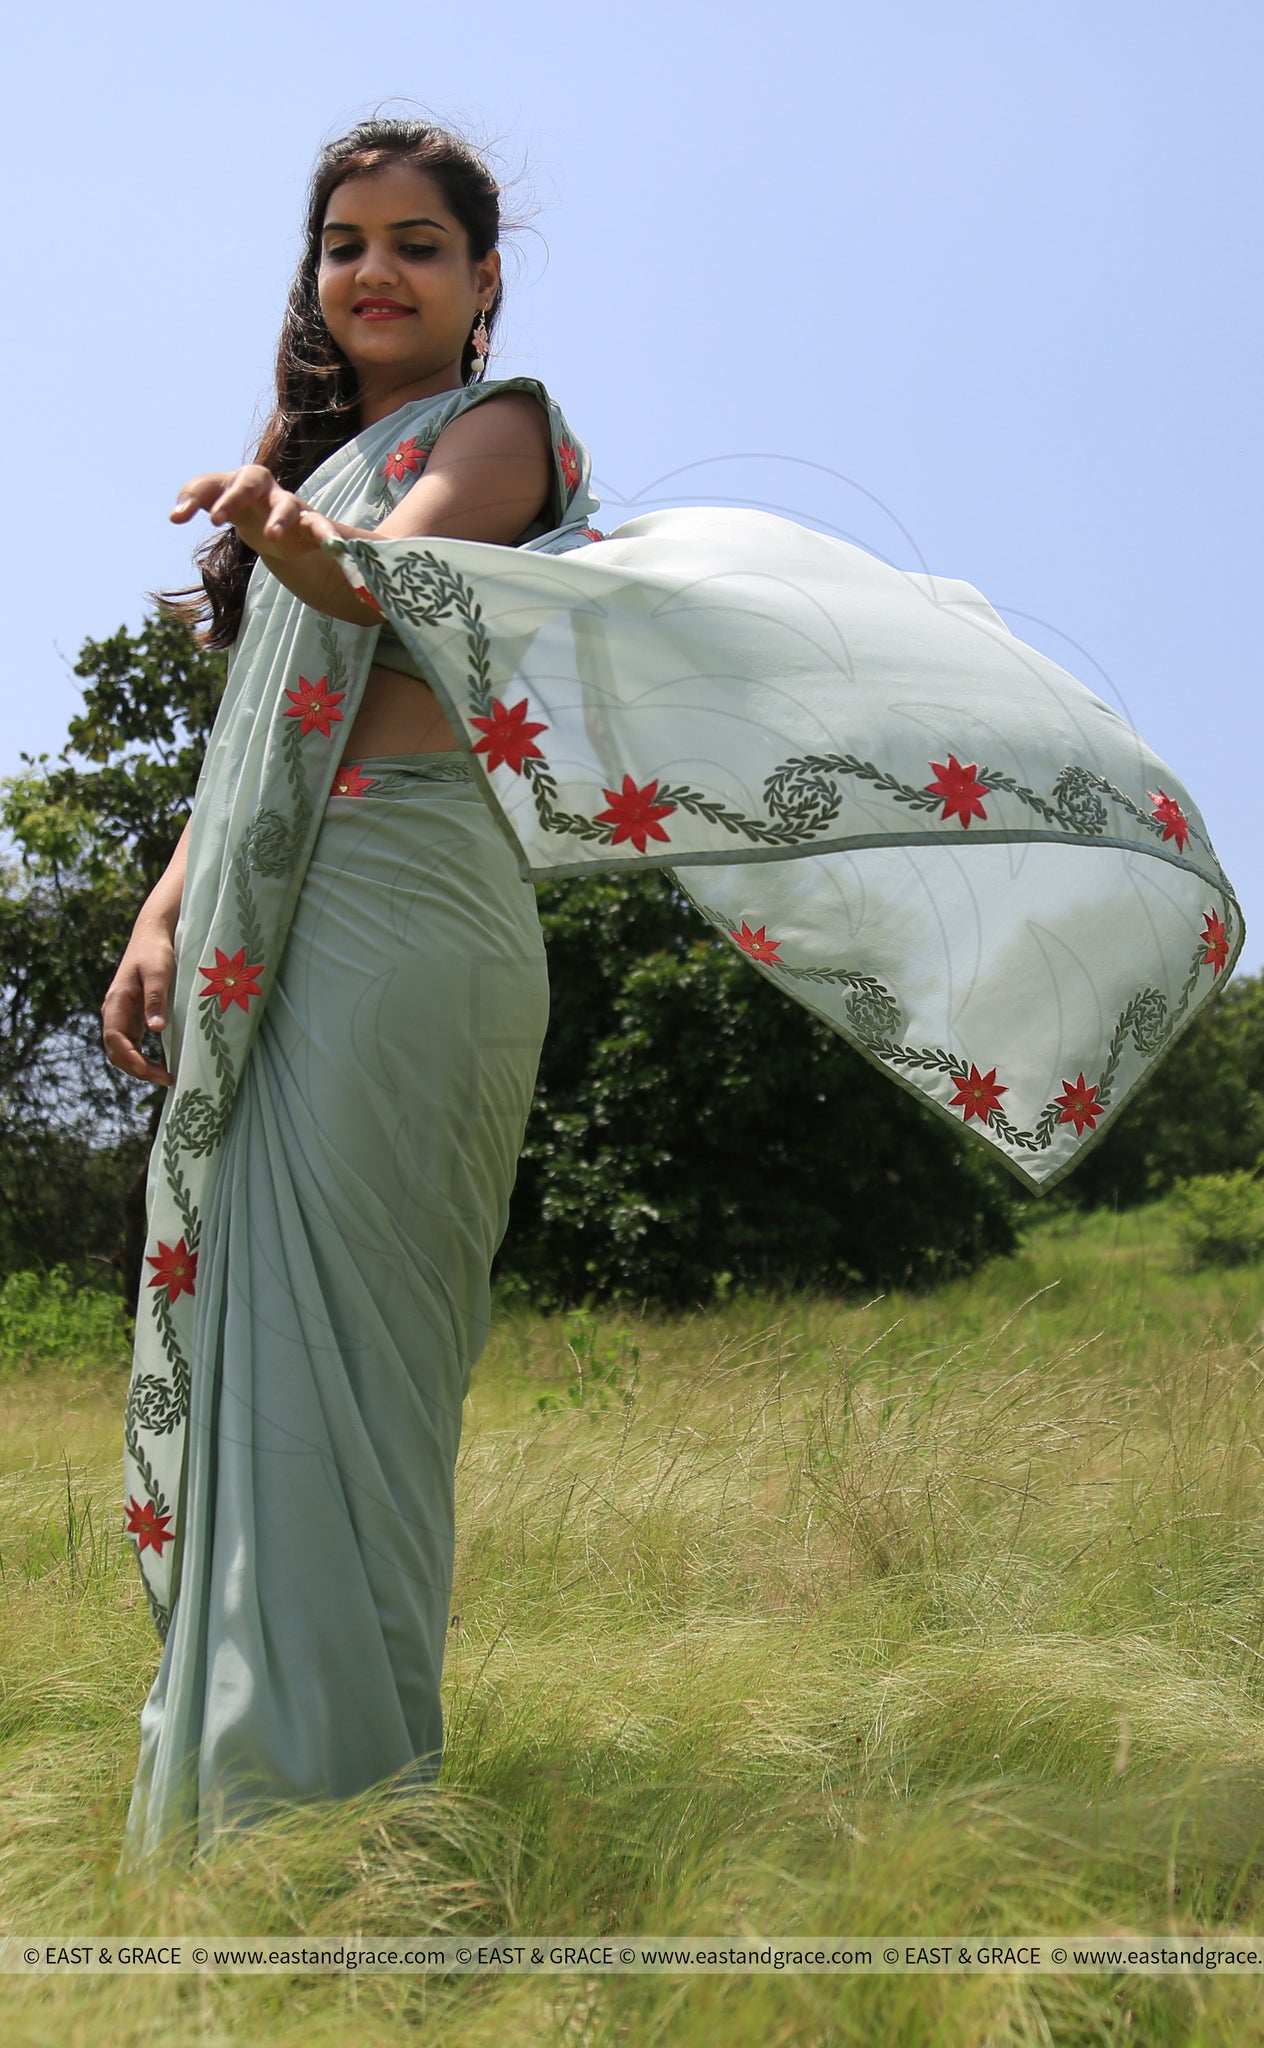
398	714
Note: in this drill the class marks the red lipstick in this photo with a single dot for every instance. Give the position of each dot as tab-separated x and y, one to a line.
381	309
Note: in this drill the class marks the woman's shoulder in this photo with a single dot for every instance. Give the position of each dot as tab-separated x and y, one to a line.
572	504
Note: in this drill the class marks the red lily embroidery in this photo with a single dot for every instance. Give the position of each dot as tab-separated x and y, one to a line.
147	1524
1079	1105
508	735
569	460
315	704
960	789
978	1094
757	944
176	1269
349	781
1216	940
633	813
407	457
1168	813
231	980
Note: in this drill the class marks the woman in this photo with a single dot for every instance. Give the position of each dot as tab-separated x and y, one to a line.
925	831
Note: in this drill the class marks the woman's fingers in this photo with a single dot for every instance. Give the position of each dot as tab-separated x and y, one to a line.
199	494
131	1007
284	514
247	487
224	492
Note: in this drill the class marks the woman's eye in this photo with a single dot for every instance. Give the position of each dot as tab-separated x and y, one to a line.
418	248
341	255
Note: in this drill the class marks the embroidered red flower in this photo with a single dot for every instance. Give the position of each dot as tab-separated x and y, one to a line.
1168	813
757	944
978	1094
176	1269
1216	940
569	460
591	533
362	590
231	980
508	735
633	813
1079	1105
960	789
349	781
315	704
147	1524
408	456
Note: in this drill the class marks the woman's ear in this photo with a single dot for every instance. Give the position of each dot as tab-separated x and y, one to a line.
487	273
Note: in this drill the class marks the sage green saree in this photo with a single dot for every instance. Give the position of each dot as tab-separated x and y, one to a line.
923	830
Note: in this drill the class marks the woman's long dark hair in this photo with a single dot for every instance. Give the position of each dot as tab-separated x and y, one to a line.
317	396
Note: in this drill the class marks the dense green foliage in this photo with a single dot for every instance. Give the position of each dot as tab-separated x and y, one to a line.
1219	1218
694	1129
46	1319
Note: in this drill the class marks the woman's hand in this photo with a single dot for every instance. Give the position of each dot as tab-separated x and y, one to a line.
273	522
136	1001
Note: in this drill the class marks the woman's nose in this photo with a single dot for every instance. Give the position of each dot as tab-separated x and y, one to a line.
377	266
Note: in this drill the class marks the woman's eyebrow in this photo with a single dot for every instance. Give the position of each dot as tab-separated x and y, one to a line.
343	227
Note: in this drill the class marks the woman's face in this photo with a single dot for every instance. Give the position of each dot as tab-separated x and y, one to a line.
397	287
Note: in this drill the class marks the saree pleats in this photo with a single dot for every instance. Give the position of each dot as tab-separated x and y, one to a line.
343	1299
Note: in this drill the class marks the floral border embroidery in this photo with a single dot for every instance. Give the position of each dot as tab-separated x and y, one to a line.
197	1119
803	795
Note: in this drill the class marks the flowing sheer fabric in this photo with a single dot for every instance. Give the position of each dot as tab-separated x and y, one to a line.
920	828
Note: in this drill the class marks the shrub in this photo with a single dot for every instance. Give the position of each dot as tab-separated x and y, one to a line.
1219	1218
46	1320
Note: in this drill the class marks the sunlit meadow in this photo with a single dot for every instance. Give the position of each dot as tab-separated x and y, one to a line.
917	1616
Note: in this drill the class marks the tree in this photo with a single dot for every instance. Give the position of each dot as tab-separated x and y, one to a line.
93	831
691	1122
1202	1110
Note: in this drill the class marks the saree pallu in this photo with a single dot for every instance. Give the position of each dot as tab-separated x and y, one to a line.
363	1189
920	828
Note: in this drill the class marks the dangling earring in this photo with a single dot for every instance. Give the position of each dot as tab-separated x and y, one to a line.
480	343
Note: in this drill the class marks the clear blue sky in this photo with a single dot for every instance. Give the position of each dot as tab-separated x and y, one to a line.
977	287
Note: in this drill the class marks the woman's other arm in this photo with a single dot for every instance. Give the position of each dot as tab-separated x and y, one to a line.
136	1000
487	478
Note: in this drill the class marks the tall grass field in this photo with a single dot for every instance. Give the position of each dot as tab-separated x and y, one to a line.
917	1616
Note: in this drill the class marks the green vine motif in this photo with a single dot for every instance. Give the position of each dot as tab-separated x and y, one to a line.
804	800
135	1414
159	1405
426	592
336	669
175	1357
873	1013
251	932
180	1191
269	844
158	1614
1079	803
211	1026
195	1125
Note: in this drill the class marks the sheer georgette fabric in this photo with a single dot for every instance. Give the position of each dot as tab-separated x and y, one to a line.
346	1251
920	828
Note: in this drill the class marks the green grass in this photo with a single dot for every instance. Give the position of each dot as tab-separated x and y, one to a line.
928	1615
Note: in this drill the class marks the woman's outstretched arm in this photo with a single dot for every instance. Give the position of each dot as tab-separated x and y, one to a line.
487	477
